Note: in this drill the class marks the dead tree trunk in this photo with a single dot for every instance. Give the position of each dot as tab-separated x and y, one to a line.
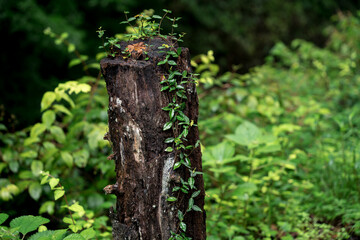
144	171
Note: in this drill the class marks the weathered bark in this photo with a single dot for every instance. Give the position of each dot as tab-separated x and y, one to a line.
144	171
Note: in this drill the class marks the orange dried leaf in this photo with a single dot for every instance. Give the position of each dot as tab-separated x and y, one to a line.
137	47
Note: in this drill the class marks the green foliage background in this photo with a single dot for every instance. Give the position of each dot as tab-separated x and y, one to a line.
280	142
239	32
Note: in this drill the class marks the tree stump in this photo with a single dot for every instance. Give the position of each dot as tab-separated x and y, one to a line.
144	171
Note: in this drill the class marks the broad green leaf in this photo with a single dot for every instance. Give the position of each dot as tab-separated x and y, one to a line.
219	153
25	174
67	158
75	236
53	182
37	129
269	148
29	154
14	166
48	118
47	207
81	158
35	190
28	223
49	235
88	233
67	220
224	169
58	194
31	140
58	134
47	100
244	190
3	217
78	209
61	108
246	134
36	167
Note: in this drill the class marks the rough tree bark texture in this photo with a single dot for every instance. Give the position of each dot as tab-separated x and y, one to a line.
143	169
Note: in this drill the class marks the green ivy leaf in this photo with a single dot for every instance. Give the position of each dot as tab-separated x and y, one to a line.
169	140
167	126
177	165
162	62
171	199
191	204
180	215
164	88
172	62
171	113
29	223
196	208
183	226
195	194
169	149
178	51
191	182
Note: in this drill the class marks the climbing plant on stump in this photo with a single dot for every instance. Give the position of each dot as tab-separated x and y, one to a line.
153	111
